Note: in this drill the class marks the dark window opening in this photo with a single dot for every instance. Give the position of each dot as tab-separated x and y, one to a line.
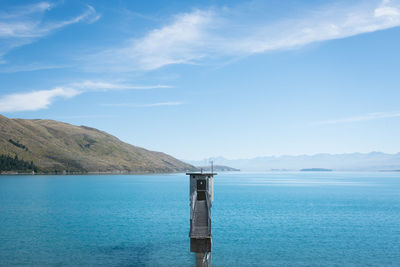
201	184
201	189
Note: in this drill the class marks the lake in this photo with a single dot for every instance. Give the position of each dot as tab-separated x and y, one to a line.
258	219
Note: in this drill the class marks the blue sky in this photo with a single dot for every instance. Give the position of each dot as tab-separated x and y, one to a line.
199	79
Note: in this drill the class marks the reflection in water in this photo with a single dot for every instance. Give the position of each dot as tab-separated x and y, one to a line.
203	259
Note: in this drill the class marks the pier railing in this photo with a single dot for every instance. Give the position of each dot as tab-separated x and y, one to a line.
193	199
209	213
195	229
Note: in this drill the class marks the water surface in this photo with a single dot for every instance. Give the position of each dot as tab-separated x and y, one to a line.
259	219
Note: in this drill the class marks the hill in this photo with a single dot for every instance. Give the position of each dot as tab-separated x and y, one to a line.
55	146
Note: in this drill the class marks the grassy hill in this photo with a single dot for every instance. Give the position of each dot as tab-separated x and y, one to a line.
55	146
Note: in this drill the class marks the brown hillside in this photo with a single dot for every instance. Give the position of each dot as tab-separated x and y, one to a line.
57	146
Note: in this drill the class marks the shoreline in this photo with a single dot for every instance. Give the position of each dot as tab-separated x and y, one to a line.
85	173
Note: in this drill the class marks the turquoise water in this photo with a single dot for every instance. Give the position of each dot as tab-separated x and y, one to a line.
259	219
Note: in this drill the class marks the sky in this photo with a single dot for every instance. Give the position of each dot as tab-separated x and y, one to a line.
200	79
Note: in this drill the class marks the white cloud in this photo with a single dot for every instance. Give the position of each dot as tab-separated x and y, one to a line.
366	117
203	35
26	10
41	99
177	43
98	86
159	104
25	24
180	42
34	100
90	16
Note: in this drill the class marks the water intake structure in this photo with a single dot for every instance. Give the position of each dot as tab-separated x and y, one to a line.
201	197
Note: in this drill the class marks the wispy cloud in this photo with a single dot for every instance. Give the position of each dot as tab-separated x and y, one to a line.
34	100
159	104
25	24
366	117
106	86
18	12
180	42
41	99
29	67
203	35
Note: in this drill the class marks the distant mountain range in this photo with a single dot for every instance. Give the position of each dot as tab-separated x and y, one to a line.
218	168
54	146
374	161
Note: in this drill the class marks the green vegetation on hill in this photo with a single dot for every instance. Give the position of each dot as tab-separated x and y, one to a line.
17	144
60	147
8	163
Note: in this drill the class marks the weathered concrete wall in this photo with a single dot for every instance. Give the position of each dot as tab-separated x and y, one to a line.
200	245
210	183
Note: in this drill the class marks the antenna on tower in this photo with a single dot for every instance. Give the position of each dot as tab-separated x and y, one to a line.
212	166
